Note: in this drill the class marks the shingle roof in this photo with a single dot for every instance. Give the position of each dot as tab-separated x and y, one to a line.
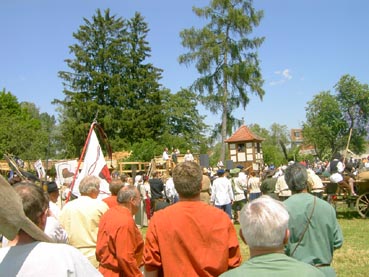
243	134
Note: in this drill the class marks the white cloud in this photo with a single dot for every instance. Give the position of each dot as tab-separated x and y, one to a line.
284	76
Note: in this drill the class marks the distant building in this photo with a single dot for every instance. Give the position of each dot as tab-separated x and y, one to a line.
297	140
296	137
245	148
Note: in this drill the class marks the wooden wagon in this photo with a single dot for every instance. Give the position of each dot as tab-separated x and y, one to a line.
359	202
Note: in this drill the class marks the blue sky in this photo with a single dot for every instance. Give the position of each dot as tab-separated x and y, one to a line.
309	45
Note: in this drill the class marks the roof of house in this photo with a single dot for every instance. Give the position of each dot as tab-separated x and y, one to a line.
243	134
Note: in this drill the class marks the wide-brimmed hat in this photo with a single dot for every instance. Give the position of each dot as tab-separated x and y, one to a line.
51	187
12	216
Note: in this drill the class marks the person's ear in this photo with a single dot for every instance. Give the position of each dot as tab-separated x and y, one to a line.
242	237
43	218
286	237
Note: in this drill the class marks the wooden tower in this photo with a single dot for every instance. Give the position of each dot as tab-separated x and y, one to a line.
245	149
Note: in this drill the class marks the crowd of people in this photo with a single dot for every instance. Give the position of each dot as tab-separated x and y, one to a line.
190	214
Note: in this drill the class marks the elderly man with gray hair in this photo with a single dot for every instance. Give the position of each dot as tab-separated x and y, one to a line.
81	217
264	228
119	242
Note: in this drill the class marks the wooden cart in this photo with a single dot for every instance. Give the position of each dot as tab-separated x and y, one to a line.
359	202
362	202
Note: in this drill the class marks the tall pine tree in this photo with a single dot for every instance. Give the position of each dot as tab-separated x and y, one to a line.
110	77
225	57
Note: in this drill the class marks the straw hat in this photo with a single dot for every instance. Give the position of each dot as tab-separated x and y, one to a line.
12	216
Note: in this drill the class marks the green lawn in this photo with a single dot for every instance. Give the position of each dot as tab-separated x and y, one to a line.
353	258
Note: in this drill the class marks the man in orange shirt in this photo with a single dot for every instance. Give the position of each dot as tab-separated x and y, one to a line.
190	238
119	242
114	187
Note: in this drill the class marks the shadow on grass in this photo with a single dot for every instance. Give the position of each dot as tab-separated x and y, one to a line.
347	214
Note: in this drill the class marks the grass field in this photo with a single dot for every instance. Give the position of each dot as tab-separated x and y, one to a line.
353	258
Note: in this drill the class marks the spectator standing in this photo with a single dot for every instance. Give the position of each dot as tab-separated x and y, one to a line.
146	201
267	186
315	184
170	190
53	228
114	187
264	228
222	193
166	157
23	212
81	217
253	184
157	191
281	188
119	242
314	229
205	187
188	157
190	238
239	193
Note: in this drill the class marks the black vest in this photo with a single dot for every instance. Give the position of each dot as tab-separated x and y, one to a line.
333	166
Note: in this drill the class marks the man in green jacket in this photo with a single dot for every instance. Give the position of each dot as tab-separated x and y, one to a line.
315	232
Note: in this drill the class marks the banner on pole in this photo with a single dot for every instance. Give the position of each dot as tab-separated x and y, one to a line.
94	164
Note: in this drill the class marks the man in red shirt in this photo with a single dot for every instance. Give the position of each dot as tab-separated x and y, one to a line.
190	237
114	187
119	242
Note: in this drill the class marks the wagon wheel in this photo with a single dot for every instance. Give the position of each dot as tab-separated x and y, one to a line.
362	205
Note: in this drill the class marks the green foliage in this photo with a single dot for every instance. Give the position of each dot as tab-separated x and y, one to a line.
214	156
24	132
110	78
329	118
272	146
225	57
185	127
145	151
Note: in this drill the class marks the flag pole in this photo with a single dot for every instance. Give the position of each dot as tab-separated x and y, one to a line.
80	160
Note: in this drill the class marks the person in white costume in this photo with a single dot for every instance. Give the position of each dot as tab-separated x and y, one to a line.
23	212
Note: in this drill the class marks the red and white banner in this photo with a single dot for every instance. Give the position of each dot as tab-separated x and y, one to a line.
94	164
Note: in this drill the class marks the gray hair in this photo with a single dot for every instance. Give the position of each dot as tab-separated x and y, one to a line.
296	177
89	184
126	193
264	222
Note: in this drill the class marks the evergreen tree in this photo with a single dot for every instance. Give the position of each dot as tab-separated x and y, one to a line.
225	57
110	78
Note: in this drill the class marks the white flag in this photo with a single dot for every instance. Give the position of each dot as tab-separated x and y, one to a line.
40	169
64	172
94	164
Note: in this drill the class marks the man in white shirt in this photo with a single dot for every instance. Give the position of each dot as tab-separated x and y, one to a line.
188	157
222	194
81	217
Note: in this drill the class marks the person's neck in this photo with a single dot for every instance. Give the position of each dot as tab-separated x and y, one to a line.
21	239
258	251
302	191
127	206
195	198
